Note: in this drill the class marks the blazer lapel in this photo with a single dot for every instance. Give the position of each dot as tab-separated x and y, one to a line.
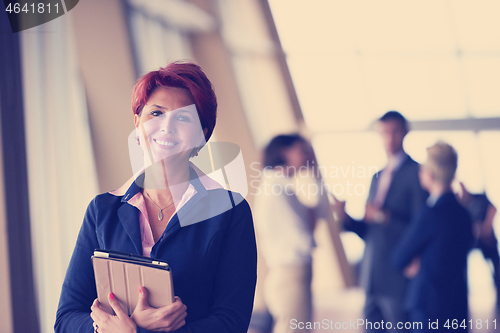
129	218
396	181
174	224
374	187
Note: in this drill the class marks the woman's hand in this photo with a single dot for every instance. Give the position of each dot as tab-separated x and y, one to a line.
338	209
107	323
165	319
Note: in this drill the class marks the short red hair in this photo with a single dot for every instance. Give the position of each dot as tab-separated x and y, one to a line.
181	75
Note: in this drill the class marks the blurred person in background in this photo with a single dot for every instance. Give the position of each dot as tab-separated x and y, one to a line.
395	196
483	214
287	206
435	247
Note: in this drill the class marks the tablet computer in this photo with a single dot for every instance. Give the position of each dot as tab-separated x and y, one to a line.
123	273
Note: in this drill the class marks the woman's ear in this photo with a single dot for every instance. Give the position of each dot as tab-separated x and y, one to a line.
136	119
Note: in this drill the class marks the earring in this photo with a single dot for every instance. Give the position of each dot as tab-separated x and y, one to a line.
194	152
137	140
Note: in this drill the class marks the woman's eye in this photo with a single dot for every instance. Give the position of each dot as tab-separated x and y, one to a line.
184	118
156	113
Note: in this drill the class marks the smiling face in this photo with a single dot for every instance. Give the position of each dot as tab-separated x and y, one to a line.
169	126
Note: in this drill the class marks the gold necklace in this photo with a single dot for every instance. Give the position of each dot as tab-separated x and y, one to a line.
160	214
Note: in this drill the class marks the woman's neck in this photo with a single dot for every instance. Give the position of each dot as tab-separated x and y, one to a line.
438	189
166	182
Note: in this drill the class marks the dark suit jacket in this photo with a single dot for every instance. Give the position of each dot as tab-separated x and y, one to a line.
441	236
214	262
404	199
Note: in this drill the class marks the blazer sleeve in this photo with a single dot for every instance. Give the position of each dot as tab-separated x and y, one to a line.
78	289
414	240
360	227
419	195
235	279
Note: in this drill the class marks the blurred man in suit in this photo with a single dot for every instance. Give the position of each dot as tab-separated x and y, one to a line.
395	196
483	212
439	239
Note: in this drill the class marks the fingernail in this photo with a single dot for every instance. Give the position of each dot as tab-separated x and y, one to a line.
111	296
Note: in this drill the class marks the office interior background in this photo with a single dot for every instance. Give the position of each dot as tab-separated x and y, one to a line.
324	68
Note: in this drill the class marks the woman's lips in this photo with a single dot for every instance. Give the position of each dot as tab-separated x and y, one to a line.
165	143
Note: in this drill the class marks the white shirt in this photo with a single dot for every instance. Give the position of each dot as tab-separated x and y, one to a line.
284	229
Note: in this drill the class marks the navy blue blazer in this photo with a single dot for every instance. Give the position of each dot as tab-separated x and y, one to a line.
405	197
214	262
441	236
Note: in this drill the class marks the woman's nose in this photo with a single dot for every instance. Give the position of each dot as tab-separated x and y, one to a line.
167	123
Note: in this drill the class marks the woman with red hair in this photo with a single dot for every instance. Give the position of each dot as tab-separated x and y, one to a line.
170	211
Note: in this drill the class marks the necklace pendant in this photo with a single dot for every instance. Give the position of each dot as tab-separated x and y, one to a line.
160	216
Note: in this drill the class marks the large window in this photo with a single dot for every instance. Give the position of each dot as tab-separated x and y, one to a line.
352	61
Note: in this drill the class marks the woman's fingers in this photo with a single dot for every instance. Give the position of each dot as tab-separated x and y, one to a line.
166	319
179	322
97	312
174	312
176	305
142	300
116	306
120	322
94	317
176	315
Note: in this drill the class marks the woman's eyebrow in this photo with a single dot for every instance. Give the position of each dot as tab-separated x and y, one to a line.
156	106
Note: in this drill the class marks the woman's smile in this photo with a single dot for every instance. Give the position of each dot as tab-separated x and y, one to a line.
165	143
169	125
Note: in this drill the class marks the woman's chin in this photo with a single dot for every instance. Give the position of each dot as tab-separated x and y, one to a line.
172	156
